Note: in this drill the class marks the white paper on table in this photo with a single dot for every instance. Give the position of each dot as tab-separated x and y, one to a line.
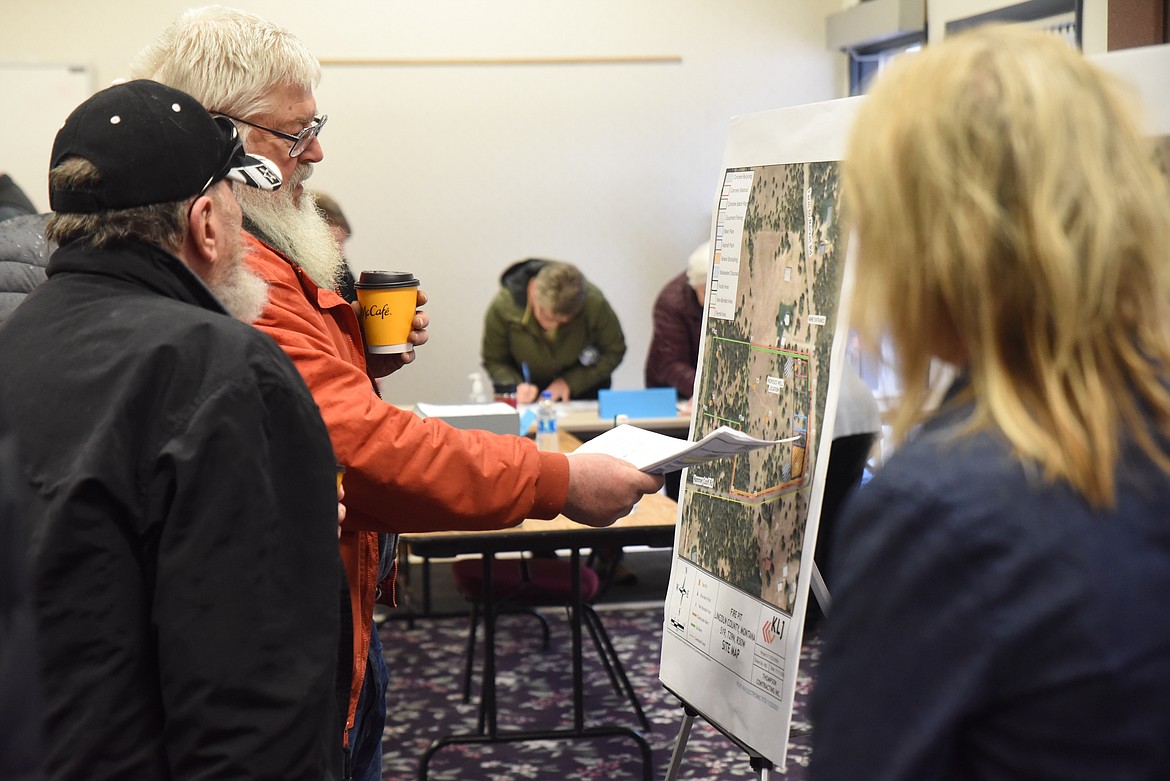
658	454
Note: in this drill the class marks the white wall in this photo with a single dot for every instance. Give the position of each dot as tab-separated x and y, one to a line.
453	172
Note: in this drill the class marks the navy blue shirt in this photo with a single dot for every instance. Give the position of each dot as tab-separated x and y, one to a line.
989	624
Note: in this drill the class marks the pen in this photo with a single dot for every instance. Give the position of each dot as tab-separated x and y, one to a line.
524	371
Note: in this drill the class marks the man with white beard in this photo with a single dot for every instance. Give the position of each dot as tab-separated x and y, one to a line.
403	474
183	506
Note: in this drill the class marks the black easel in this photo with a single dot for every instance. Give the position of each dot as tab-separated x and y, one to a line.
759	763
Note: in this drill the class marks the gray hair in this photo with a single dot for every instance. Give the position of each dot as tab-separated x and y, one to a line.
161	224
228	60
698	264
560	288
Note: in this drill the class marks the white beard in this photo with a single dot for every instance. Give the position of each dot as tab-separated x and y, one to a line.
241	291
300	231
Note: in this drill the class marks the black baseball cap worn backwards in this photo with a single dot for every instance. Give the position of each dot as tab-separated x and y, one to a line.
151	144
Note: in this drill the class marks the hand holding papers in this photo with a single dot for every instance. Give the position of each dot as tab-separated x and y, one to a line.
658	454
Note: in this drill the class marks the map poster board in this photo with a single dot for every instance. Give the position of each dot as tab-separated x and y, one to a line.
771	333
772	343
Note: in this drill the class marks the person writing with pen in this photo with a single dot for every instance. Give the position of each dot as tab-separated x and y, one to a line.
550	329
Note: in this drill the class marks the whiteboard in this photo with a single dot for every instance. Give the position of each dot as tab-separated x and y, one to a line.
38	97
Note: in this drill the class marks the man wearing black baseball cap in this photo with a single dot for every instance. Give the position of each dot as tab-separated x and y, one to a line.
184	557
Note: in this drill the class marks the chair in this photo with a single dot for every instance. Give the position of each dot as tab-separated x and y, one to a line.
528	583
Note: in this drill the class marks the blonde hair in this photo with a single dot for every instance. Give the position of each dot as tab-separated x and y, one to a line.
229	60
1010	215
560	288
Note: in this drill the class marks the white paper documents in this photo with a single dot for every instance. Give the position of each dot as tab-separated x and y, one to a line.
658	454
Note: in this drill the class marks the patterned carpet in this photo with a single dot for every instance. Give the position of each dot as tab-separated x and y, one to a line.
426	703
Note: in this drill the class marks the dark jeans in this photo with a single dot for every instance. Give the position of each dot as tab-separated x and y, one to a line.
365	739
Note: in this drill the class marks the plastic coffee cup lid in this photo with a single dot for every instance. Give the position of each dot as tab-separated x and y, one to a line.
386	279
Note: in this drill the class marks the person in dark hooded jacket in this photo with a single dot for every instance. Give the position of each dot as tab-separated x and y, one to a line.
550	329
13	201
24	253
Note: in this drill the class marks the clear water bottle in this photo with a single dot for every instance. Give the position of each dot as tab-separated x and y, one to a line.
546	424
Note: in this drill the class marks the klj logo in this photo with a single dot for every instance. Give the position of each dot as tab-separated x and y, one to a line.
773	629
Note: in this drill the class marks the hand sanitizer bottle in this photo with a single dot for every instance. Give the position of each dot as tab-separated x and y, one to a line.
479	393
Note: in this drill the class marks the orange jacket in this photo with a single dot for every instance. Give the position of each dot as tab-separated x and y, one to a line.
402	473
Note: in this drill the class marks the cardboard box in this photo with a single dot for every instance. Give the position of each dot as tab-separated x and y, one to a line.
496	416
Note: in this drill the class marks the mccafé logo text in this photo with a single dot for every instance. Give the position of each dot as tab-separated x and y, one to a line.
377	310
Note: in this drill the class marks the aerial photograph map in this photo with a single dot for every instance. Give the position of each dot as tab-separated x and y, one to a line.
772	311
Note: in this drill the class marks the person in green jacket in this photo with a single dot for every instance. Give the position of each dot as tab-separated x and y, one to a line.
550	329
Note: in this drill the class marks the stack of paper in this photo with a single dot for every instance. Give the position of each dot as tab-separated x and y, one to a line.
658	453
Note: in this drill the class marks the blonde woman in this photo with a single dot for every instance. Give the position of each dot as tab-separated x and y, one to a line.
1001	586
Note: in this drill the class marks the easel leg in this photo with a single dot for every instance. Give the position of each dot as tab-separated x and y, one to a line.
820	590
680	744
764	767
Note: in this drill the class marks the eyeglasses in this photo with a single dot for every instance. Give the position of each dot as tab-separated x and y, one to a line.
300	142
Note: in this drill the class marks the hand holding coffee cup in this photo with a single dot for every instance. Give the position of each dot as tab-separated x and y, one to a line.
388	300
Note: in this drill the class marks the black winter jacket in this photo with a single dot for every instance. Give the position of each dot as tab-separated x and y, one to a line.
24	253
184	529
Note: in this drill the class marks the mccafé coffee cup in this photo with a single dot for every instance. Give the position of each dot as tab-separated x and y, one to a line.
388	300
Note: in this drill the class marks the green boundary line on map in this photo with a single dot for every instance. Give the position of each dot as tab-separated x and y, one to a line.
763	349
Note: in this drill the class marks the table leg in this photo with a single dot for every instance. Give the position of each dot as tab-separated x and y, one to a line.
489	645
579	731
578	672
426	576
